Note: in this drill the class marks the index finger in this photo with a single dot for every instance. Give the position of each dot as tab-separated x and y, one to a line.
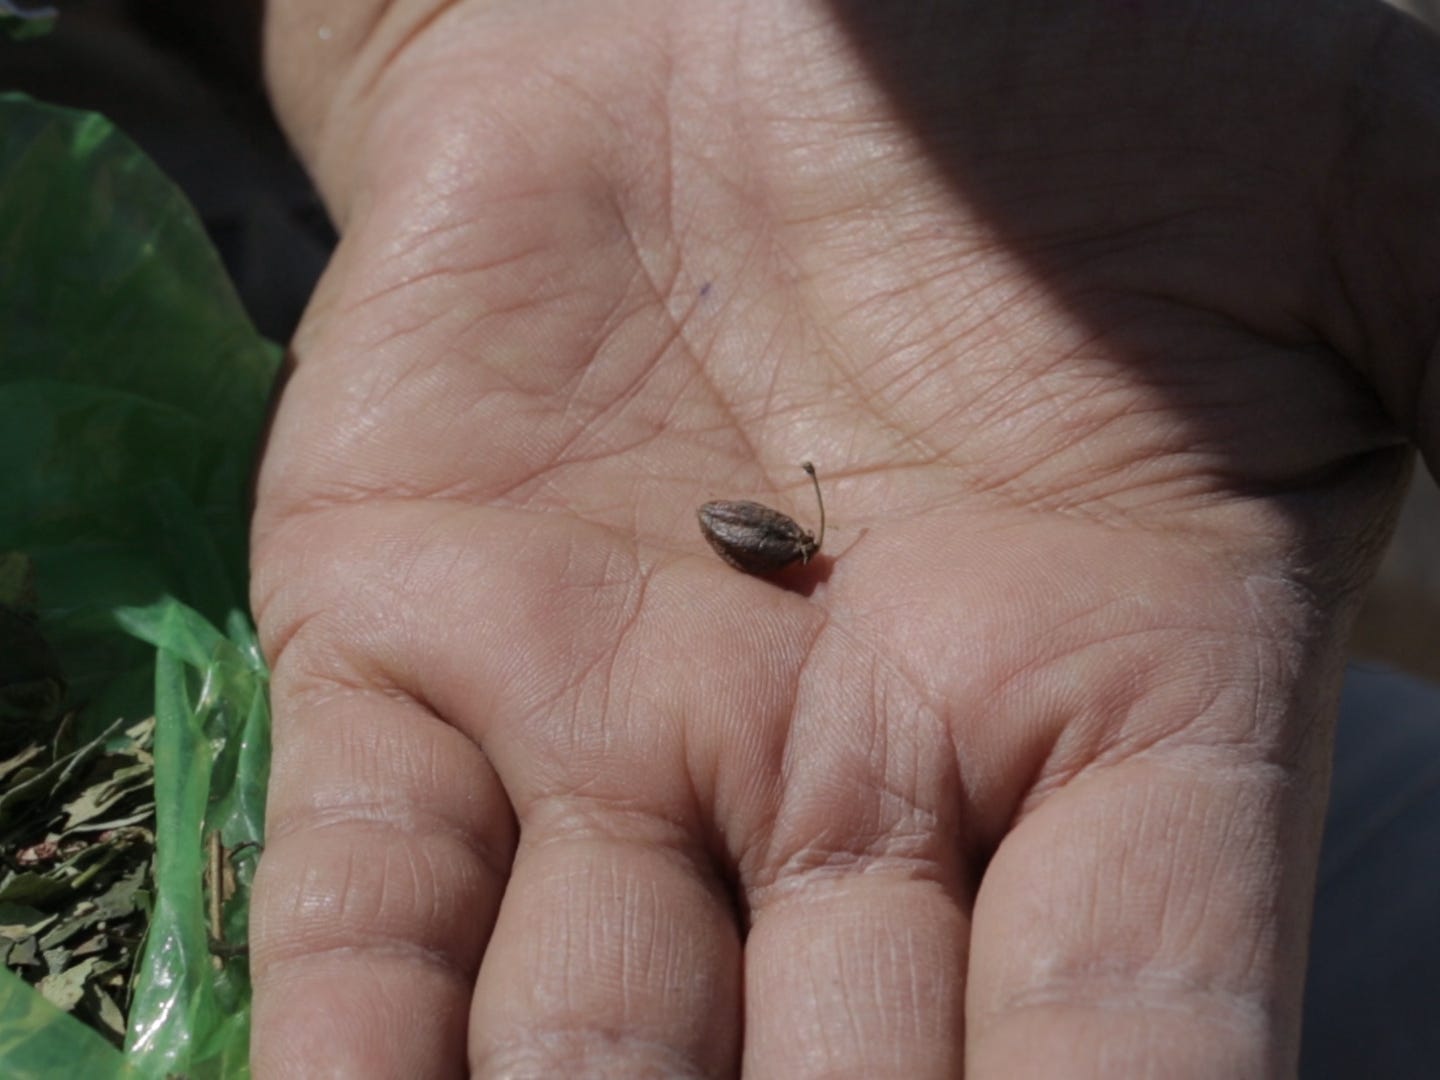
1149	919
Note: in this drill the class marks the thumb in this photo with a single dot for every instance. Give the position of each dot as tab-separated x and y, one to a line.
1382	212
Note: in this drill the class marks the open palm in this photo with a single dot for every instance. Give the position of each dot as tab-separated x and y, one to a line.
1023	774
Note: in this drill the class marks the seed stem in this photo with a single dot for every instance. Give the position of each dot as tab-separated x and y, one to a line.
810	471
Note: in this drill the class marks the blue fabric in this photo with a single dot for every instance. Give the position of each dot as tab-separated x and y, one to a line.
1372	998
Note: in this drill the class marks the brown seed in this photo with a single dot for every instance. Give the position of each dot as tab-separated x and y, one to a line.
756	539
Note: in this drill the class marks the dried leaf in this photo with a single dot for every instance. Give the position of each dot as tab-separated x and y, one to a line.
68	927
98	943
20	920
56	960
103	1007
143	812
98	798
23	954
52	778
142	733
24	757
32	888
65	989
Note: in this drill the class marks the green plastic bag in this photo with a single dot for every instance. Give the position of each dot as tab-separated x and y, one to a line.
133	392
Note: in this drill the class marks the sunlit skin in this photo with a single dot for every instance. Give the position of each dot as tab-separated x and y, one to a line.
1110	329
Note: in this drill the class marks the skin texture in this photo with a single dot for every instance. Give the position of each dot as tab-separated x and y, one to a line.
1109	326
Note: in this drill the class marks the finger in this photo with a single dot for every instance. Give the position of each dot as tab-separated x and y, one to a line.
1148	919
388	839
859	974
616	954
859	896
387	842
508	626
617	951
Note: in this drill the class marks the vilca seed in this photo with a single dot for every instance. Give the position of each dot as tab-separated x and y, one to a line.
752	537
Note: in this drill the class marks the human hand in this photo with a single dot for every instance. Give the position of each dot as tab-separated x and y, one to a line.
1104	331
